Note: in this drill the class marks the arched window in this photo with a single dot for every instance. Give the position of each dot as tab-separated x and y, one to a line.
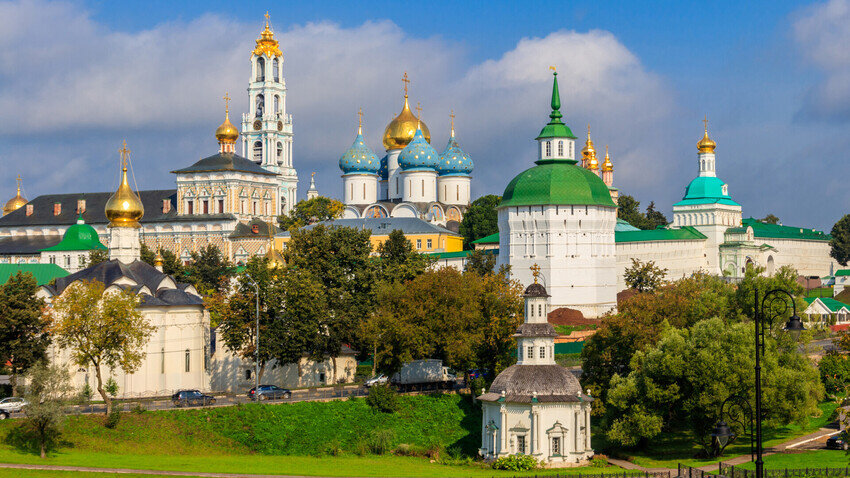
276	70
260	105
548	148
279	151
276	104
258	151
261	69
560	148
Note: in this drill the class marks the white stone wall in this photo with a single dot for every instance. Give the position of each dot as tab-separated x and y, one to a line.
574	247
453	190
394	186
419	186
680	258
360	189
71	261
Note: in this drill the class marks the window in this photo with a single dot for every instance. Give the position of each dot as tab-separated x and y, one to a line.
260	102
258	151
520	444
276	71
540	310
255	208
364	190
322	377
206	206
419	243
67	261
542	352
53	259
247	374
162	360
261	69
428	244
423	188
548	148
279	150
190	207
187	360
529	352
560	148
221	206
556	446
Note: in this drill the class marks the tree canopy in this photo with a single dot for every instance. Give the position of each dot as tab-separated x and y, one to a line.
309	211
170	263
399	261
840	241
24	333
628	209
480	220
209	271
644	276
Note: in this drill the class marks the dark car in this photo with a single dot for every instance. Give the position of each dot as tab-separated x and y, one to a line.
185	398
838	442
269	392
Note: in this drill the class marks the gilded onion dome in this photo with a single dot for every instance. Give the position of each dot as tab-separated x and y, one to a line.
227	133
359	158
706	144
418	154
403	127
588	149
593	162
124	208
454	161
607	165
16	202
275	260
266	44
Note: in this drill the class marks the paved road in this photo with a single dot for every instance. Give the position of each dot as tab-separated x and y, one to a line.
825	344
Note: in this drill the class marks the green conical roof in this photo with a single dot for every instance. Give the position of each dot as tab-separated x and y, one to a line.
555	128
556	183
79	237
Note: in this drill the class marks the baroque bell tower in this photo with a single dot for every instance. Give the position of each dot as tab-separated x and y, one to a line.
267	128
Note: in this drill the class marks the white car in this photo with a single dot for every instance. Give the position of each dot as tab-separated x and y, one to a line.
376	380
13	404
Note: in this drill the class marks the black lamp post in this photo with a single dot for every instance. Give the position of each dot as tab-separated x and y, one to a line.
762	322
723	433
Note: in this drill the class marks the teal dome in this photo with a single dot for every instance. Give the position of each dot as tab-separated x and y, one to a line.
706	190
79	237
384	170
559	182
359	158
418	154
454	161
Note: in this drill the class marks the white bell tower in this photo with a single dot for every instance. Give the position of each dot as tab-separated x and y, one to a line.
267	128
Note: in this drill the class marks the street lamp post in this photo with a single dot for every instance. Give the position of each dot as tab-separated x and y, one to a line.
762	321
256	337
723	434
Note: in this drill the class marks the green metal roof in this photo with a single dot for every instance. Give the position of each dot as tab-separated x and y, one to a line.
79	237
686	233
555	128
777	231
491	239
559	182
842	272
829	302
706	190
623	225
449	255
43	273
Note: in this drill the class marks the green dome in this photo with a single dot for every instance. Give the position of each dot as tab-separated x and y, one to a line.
79	237
706	190
556	182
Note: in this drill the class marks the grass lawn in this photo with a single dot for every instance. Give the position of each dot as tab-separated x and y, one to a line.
667	451
807	459
17	473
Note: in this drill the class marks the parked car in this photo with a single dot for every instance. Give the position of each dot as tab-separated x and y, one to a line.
269	392
13	404
376	380
838	442
185	398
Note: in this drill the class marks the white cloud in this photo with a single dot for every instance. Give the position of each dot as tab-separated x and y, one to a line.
822	34
63	74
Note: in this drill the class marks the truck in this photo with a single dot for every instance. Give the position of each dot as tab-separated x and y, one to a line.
428	374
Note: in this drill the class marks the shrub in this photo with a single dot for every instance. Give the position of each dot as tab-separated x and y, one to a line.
139	408
380	441
599	461
111	387
382	398
112	419
404	449
86	393
477	385
516	463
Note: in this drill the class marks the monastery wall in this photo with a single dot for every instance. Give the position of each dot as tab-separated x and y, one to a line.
680	258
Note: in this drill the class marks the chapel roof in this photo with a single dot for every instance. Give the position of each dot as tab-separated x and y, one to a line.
548	383
225	162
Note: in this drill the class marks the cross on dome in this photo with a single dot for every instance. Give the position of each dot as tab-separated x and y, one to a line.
535	271
452	116
125	154
226	99
359	121
406	81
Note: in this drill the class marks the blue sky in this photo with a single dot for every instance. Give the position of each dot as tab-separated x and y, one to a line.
773	78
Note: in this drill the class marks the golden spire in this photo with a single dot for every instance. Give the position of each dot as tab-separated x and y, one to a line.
360	121
401	130
535	271
16	202
266	44
706	144
588	153
227	134
124	208
607	165
452	116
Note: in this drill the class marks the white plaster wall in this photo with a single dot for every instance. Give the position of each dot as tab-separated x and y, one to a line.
395	187
419	186
360	189
453	190
680	258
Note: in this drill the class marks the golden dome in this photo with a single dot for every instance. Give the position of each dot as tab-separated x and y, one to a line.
266	44
706	144
227	133
607	165
124	208
588	145
593	163
402	128
274	258
16	202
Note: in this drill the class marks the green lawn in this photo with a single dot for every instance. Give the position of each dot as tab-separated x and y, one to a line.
667	451
17	473
808	459
568	329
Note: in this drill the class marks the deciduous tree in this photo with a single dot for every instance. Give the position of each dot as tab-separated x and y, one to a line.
48	391
770	219
100	329
311	211
480	220
644	276
209	271
840	241
96	256
398	260
480	262
23	327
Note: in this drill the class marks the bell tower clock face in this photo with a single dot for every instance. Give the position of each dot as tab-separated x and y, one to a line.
257	125
280	125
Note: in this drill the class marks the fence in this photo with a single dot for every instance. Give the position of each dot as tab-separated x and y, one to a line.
686	471
623	474
810	472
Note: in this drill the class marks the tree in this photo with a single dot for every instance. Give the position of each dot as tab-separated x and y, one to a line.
147	255
770	219
654	218
840	241
23	328
501	305
784	278
170	264
100	329
96	256
680	382
480	220
628	209
210	271
311	211
48	391
644	276
399	260
834	371
480	262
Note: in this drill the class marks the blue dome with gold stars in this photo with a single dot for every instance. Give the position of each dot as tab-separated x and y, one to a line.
359	158
384	171
418	154
454	161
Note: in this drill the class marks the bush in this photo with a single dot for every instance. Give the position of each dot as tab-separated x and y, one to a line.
382	398
86	393
516	463
477	385
380	441
112	419
334	448
404	449
111	387
599	461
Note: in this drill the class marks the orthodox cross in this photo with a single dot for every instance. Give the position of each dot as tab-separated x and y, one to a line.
19	182
705	122
226	99
406	82
552	67
267	18
535	271
125	153
418	111
452	116
359	121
